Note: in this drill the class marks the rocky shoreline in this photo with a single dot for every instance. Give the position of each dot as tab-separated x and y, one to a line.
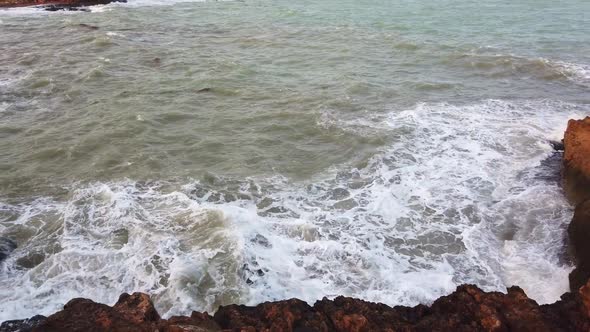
466	309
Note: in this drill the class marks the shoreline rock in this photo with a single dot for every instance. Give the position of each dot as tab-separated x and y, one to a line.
576	184
576	160
467	309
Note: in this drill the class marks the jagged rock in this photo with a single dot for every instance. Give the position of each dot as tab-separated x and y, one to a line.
576	160
467	309
557	146
288	315
134	312
131	312
6	247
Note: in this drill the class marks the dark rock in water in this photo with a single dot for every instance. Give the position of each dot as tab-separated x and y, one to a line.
21	325
576	160
31	260
156	62
261	240
204	90
579	236
467	309
88	26
550	168
6	247
557	146
55	8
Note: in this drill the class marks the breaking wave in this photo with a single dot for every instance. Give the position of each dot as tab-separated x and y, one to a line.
463	194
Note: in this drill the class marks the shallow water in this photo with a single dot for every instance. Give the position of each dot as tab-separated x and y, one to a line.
220	152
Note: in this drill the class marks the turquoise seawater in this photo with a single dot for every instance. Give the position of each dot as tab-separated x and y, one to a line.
243	151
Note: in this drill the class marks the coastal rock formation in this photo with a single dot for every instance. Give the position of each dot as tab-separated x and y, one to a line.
467	309
576	160
576	183
59	4
579	235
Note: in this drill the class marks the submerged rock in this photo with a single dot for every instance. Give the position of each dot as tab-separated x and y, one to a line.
6	247
467	309
557	146
576	160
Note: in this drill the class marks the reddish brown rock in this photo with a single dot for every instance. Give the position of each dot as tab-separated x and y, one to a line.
134	312
576	184
466	309
576	160
288	315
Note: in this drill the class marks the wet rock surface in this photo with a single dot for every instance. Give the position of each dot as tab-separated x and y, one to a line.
22	325
467	309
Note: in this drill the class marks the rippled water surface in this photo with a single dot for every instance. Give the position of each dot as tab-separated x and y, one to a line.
220	152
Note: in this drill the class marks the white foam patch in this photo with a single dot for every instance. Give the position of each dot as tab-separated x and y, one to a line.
462	195
578	72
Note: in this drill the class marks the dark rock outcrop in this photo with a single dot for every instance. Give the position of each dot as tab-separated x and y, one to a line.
467	309
22	325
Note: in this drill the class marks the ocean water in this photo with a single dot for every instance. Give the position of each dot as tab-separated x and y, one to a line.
212	152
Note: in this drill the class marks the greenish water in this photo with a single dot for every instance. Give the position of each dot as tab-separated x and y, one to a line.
219	152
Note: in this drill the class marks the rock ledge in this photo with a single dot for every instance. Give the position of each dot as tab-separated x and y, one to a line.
467	309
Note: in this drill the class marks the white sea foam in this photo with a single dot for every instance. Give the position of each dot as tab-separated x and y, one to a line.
579	72
461	196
